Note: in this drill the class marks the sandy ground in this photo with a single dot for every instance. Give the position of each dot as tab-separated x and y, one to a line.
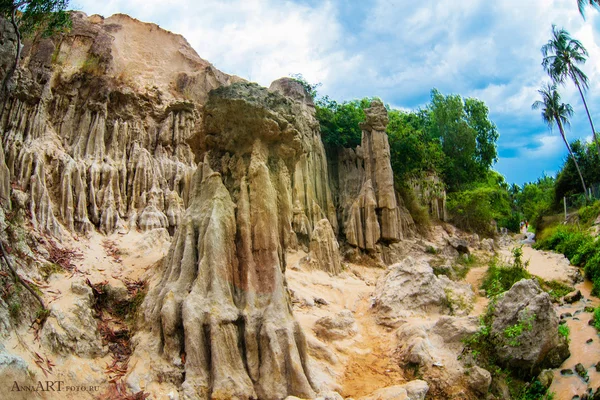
366	361
137	252
362	363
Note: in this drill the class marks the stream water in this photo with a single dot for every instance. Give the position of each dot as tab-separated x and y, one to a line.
588	354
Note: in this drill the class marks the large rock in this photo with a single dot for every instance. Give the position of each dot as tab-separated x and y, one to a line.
525	330
413	390
411	288
433	348
340	326
222	299
71	327
14	371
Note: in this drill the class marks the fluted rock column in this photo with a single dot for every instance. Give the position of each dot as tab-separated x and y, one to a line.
366	182
222	299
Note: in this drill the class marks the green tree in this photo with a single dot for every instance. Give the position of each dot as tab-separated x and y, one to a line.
562	57
412	150
556	112
467	136
585	154
475	207
536	198
29	16
582	4
339	121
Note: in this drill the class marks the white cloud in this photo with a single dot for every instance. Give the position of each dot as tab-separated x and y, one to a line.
394	49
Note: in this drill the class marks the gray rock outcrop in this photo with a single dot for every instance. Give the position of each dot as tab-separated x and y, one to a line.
434	348
341	326
525	330
410	287
413	390
71	327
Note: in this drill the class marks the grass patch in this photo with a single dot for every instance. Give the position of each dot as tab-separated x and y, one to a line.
48	269
588	214
554	288
499	278
564	331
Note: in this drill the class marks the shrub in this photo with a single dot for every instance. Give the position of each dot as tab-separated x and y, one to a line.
588	214
579	247
597	318
563	330
499	278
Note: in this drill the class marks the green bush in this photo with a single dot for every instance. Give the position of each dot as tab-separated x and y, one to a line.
563	330
579	247
597	318
588	214
500	278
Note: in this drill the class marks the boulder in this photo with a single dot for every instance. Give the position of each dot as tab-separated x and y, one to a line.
406	288
460	245
71	327
479	379
573	297
14	371
411	288
341	326
413	390
525	330
433	348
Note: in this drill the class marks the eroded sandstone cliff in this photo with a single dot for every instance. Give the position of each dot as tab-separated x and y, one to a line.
222	299
98	123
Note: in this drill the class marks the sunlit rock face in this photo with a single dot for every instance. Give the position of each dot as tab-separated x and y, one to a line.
222	299
370	208
98	122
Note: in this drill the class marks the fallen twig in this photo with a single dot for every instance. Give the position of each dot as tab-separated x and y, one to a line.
21	281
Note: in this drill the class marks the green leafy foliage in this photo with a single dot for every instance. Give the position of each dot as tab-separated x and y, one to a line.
564	331
567	180
474	209
340	121
597	318
535	199
44	16
579	247
501	277
468	138
412	149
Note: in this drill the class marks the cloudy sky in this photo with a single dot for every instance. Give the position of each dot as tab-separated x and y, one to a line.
398	50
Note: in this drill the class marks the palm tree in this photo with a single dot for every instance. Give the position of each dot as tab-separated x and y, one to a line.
583	3
562	55
553	111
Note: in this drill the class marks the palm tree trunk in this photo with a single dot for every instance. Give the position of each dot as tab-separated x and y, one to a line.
589	117
562	134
